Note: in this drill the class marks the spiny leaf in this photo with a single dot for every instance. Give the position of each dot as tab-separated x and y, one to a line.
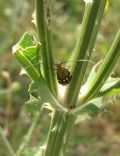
110	88
33	105
92	75
26	51
91	108
26	41
40	90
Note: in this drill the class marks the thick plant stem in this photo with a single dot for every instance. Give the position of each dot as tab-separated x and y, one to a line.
57	133
67	137
90	26
43	21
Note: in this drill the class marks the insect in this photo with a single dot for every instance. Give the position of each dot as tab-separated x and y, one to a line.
63	75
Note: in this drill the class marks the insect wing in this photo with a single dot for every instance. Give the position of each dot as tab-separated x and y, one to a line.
63	75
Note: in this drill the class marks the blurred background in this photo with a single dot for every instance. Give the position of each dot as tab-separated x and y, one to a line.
96	137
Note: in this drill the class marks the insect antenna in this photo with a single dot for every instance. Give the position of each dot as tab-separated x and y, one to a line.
33	65
39	64
89	61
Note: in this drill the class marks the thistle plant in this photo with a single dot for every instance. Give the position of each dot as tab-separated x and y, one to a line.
79	99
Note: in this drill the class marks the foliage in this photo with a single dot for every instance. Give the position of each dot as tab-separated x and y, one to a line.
80	101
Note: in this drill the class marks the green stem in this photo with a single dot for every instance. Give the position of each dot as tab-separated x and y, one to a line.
43	20
90	26
68	133
29	134
57	132
7	144
104	70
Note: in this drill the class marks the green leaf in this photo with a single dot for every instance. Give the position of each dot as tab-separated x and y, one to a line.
26	51
40	90
33	105
26	41
32	54
92	75
90	109
110	88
